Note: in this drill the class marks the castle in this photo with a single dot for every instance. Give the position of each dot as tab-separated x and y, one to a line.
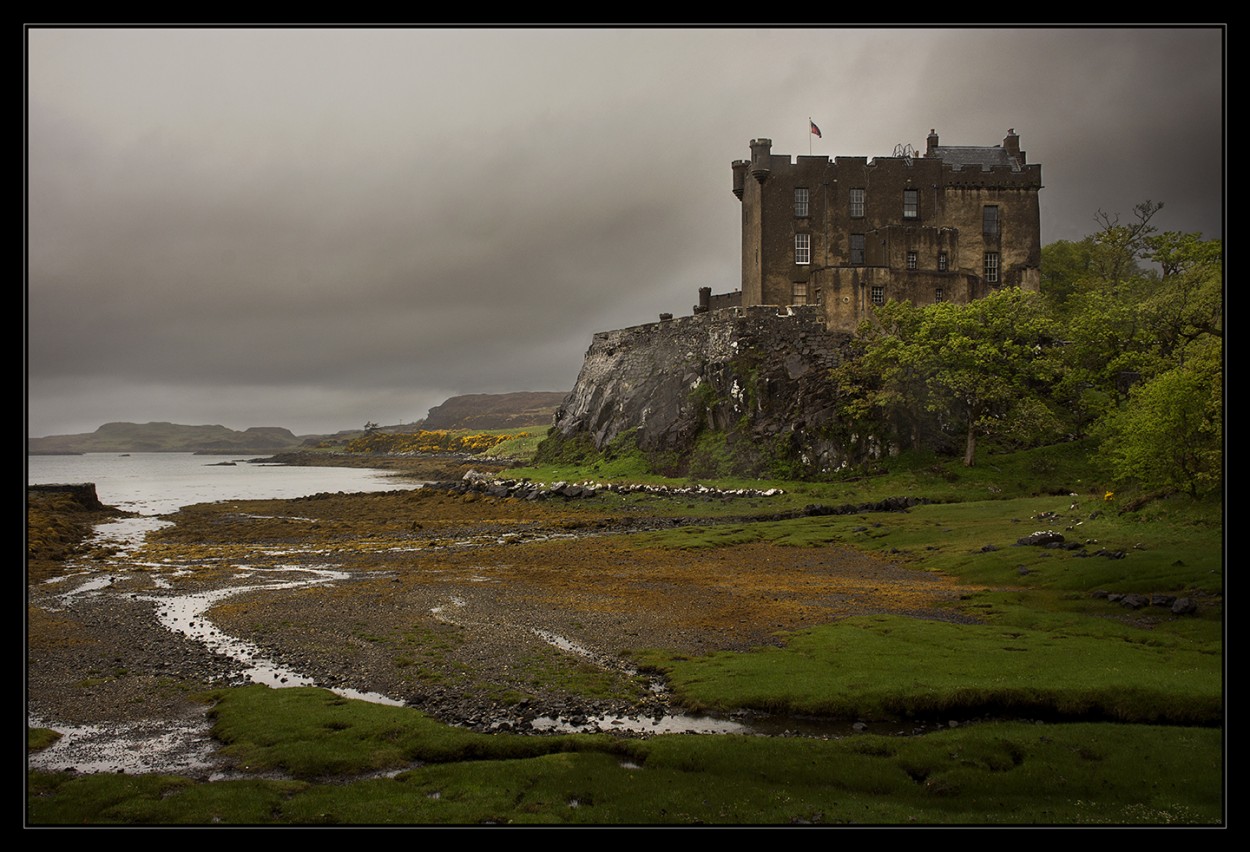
846	234
822	242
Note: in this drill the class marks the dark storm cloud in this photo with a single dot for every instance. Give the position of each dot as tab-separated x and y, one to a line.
313	228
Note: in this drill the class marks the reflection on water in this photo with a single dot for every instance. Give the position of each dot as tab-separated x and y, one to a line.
676	724
184	614
184	747
161	483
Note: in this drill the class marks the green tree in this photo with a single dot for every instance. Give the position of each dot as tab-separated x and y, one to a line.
1118	248
1170	434
988	373
1179	253
1108	345
1123	324
1067	267
883	389
1188	302
1167	433
976	369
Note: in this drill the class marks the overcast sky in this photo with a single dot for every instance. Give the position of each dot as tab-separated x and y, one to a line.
312	228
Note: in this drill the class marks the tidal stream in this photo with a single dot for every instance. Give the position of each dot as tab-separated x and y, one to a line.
184	745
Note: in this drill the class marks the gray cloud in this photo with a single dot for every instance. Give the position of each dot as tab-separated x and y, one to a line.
314	228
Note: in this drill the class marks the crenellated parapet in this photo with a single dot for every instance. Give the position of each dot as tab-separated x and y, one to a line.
950	224
832	170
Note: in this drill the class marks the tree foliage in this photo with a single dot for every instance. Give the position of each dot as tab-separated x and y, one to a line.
1123	323
1170	435
966	370
1118	248
1187	305
1124	342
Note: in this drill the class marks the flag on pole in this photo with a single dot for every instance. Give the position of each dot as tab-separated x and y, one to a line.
815	129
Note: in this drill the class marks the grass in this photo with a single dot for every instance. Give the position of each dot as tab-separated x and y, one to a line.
1047	645
519	446
890	667
976	541
1040	646
550	671
40	738
310	733
1014	773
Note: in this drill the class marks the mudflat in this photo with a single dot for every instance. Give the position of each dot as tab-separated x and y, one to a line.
481	611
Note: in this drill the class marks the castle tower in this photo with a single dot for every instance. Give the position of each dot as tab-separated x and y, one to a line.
849	234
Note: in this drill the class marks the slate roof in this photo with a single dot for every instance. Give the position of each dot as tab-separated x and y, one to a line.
963	156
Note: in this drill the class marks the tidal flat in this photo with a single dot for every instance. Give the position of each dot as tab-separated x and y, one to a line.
880	668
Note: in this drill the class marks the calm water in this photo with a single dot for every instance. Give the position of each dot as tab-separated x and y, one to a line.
160	483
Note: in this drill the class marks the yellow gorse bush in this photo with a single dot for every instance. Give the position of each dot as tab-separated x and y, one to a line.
433	441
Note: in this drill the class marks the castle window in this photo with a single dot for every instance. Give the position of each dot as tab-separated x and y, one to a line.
857	249
857	204
878	295
991	267
989	220
944	261
800	201
911	204
800	293
938	295
911	260
802	248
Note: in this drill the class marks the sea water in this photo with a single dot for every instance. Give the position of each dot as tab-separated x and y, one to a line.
160	483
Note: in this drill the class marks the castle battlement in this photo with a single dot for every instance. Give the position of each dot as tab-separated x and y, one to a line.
846	233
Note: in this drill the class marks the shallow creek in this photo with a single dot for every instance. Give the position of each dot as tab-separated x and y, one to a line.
184	745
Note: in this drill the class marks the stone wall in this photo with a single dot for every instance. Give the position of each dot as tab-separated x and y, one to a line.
758	376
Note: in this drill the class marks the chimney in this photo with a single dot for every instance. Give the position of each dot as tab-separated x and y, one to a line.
930	151
1011	143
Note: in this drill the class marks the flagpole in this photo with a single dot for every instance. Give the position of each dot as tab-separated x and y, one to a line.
809	136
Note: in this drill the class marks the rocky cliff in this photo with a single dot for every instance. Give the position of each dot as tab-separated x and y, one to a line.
741	390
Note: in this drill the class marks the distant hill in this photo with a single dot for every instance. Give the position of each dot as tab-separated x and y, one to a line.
495	410
168	438
472	411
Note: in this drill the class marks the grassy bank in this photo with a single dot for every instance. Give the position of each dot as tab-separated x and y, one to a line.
984	774
1131	698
